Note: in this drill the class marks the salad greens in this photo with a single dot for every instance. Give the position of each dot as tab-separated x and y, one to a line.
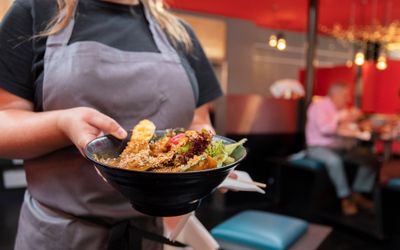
221	152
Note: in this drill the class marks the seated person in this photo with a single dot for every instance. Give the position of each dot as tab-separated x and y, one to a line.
325	117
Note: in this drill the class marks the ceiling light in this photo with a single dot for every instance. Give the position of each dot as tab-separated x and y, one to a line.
381	64
281	44
359	59
273	41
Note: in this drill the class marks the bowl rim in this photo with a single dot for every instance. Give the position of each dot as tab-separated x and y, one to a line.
122	170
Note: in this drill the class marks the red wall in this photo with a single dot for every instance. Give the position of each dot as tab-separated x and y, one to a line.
381	88
324	77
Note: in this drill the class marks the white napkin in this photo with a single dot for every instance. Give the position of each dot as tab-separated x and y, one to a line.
190	231
242	183
197	236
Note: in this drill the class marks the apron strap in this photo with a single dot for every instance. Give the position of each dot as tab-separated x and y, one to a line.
119	238
127	236
160	37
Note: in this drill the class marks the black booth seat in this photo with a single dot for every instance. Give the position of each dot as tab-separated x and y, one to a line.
308	179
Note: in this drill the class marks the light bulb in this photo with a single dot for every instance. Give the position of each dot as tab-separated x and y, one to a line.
381	63
349	63
273	41
359	59
281	44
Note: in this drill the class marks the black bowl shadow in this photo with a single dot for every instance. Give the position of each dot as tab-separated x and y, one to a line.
159	194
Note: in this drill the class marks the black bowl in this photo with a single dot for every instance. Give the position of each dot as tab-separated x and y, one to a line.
160	194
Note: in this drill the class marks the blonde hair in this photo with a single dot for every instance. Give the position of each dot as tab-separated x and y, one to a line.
168	22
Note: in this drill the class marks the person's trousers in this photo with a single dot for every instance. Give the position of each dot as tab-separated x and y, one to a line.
334	163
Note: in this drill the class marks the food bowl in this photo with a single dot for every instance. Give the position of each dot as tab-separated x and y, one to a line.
160	194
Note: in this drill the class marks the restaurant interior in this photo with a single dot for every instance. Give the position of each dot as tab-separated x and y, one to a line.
273	60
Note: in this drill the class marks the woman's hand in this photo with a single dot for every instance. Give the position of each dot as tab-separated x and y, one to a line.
201	119
82	125
232	175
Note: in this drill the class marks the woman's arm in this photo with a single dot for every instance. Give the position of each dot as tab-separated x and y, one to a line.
26	134
201	119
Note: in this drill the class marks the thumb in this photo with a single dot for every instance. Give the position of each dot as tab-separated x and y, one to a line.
83	141
233	175
107	125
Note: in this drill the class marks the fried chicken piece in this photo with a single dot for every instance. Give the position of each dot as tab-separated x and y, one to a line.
141	135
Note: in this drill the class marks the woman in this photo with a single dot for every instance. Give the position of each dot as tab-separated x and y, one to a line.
72	70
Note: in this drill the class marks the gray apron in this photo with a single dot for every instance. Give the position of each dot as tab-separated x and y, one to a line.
128	86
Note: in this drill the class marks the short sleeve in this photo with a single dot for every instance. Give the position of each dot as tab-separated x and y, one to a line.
16	52
209	87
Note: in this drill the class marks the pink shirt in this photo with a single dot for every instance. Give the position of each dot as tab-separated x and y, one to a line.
322	123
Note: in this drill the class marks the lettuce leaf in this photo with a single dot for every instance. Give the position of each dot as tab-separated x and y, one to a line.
215	148
229	148
221	152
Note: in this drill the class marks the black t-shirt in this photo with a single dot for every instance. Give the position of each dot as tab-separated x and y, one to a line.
120	26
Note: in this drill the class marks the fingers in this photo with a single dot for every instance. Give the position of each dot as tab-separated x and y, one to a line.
107	125
206	126
233	175
225	190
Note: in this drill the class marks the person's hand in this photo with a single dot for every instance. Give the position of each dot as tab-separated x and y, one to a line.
349	115
201	119
82	125
348	129
232	175
355	114
206	126
343	115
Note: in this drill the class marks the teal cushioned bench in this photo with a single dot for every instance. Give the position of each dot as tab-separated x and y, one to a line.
259	230
394	183
307	163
